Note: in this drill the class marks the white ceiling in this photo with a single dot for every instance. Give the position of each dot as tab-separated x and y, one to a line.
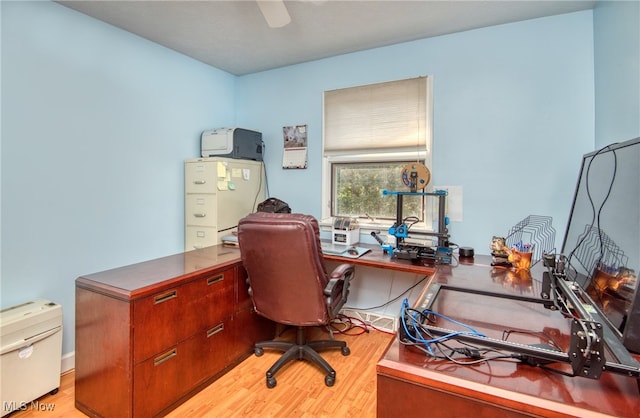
233	35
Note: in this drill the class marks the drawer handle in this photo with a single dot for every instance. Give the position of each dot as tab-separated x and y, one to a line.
215	330
165	297
199	215
164	357
199	182
214	280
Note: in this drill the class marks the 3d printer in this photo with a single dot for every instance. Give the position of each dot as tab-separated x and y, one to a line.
416	176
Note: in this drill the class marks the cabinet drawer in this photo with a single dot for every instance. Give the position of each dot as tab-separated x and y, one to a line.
162	320
159	381
200	209
215	351
168	317
218	304
200	237
200	177
162	380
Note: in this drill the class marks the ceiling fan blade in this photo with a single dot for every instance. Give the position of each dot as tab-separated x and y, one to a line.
274	12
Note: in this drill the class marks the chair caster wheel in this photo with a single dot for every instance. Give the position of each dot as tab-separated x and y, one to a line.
346	351
271	382
329	380
258	351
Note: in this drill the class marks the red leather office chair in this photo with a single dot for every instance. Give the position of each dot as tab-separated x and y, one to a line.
289	284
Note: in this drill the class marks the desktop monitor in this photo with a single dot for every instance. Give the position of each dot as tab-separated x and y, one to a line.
602	239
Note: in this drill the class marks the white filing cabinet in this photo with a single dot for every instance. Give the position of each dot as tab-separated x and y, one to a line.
31	352
218	193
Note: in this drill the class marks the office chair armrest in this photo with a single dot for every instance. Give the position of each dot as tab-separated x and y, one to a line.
343	273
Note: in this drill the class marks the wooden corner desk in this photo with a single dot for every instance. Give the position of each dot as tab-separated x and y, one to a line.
412	384
150	335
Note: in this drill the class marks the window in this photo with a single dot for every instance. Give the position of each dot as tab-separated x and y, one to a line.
358	190
370	134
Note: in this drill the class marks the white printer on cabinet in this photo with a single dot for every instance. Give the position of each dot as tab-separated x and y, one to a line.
236	143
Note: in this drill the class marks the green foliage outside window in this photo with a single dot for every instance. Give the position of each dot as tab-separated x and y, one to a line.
358	188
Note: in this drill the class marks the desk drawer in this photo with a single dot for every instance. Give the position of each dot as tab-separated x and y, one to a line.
173	315
219	294
159	381
215	352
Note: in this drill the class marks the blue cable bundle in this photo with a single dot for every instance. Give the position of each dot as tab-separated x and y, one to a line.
415	320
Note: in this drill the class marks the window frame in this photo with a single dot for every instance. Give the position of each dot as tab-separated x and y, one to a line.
390	154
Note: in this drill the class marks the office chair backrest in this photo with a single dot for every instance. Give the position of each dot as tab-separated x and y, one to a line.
283	258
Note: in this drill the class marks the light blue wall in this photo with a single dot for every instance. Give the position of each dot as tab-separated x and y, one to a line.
617	71
96	123
513	114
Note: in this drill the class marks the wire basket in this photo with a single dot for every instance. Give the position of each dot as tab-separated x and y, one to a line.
535	230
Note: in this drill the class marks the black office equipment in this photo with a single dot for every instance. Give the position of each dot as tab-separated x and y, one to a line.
602	240
274	205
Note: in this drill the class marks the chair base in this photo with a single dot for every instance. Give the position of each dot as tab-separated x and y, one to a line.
301	350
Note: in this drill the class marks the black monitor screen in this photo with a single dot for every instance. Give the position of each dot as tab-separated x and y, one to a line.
602	240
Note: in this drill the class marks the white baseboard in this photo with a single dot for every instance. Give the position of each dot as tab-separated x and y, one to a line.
68	362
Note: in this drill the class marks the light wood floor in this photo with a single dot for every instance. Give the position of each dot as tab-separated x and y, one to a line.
242	392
